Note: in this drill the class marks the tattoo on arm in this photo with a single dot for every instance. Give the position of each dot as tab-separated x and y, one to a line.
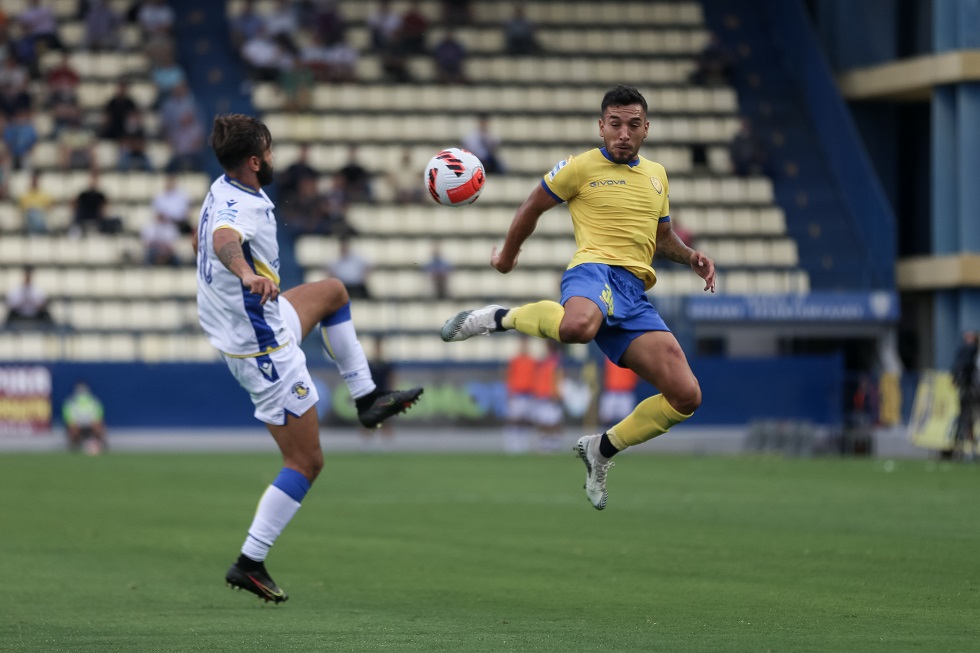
674	248
229	253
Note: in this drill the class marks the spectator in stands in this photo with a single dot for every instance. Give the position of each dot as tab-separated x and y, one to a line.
296	84
966	378
172	110
14	95
335	206
91	210
548	412
394	61
747	151
356	178
160	239
84	419
316	56
714	64
281	20
245	25
27	304
34	206
302	212
405	180
173	203
618	394
20	137
342	62
62	100
264	56
289	179
63	74
520	399
329	24
449	57
166	76
132	144
439	270
414	27
117	111
155	17
519	38
352	269
24	50
187	143
485	145
102	25
76	145
457	12
41	26
384	23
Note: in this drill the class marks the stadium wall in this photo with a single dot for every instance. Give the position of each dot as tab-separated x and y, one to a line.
203	395
851	168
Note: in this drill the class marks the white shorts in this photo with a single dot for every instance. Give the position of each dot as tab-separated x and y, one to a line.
520	408
279	382
615	406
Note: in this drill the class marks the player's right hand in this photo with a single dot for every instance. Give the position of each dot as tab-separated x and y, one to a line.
259	285
502	264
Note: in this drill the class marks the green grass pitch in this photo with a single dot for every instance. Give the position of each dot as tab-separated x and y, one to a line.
487	553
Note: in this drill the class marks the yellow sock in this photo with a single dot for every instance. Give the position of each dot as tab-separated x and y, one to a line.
540	319
653	417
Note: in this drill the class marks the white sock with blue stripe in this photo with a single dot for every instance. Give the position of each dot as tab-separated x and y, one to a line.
342	347
276	507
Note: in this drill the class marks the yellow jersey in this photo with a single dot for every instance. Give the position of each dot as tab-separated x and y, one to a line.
615	209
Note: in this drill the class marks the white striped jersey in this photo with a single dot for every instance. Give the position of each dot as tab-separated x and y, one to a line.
230	315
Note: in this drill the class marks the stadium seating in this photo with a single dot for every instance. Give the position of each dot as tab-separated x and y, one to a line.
110	307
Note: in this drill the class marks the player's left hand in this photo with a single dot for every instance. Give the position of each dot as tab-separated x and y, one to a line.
704	267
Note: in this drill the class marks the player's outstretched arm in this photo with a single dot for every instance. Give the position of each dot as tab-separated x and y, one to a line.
670	245
521	228
228	249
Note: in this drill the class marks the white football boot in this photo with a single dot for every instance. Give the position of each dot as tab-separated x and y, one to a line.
465	325
587	449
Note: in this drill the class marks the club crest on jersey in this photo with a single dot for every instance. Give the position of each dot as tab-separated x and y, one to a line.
300	390
657	186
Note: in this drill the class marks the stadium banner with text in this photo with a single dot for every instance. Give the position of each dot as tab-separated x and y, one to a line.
818	306
935	411
25	400
178	395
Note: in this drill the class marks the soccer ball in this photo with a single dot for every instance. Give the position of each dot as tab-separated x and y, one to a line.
455	177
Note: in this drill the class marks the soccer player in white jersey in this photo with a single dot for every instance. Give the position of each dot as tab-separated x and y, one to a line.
258	332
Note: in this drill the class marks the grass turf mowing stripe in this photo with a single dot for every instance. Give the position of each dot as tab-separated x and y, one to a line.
492	553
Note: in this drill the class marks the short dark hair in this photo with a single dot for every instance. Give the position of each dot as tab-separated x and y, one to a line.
621	96
235	137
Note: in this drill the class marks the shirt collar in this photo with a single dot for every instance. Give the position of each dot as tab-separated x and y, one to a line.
605	153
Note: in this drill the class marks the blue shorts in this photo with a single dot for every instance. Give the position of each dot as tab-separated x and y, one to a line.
621	297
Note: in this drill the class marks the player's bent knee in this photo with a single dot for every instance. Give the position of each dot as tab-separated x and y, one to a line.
687	400
574	330
335	291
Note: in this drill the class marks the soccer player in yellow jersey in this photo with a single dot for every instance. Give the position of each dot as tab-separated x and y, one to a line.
620	210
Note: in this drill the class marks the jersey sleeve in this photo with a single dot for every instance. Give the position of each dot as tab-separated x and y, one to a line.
238	216
562	182
665	207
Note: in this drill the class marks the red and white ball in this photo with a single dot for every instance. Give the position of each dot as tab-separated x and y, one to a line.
455	177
